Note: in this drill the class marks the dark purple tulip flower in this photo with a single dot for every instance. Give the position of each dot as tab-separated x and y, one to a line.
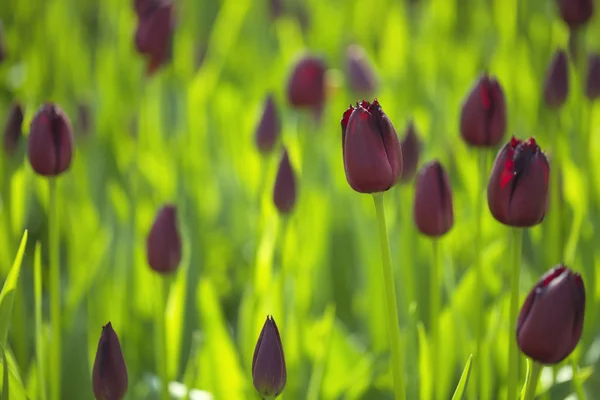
154	33
13	129
518	186
268	364
411	149
359	71
433	210
576	13
50	144
284	191
592	84
109	377
551	319
556	84
483	114
306	85
163	245
269	127
371	148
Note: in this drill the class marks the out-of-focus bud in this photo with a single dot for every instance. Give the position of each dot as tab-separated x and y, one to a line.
269	127
556	84
276	8
163	245
154	33
268	364
371	149
83	119
109	377
592	84
306	85
411	149
551	319
359	71
576	13
433	210
518	186
12	129
50	144
483	115
284	191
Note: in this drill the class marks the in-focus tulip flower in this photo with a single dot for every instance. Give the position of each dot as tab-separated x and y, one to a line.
163	245
518	186
12	129
109	377
268	364
433	210
556	84
359	71
306	85
592	84
371	148
50	144
551	319
411	149
269	127
284	191
154	33
576	13
483	114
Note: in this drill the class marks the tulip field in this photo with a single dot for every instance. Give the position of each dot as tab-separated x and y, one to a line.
299	199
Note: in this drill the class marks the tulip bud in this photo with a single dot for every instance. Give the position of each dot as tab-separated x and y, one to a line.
371	149
433	211
483	115
50	144
576	13
551	319
109	377
592	85
361	76
556	85
284	191
269	127
12	130
306	85
163	244
276	8
154	33
518	186
268	363
410	148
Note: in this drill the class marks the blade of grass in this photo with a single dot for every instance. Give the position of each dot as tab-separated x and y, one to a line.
5	388
463	382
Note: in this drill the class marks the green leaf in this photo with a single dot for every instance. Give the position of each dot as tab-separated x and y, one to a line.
425	370
459	393
11	376
5	379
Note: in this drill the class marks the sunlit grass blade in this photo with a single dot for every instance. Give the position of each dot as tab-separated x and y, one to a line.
5	384
39	329
459	393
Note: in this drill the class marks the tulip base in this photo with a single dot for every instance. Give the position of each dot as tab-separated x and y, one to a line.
533	376
515	275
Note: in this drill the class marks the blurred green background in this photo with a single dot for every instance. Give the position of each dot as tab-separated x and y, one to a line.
186	136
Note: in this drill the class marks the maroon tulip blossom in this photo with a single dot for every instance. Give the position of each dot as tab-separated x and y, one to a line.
556	84
576	13
163	245
360	73
306	85
268	363
269	127
433	210
13	129
411	149
284	191
109	377
592	84
154	33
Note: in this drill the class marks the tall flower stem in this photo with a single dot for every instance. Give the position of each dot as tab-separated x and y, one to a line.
479	327
55	292
434	307
390	297
515	275
533	376
160	336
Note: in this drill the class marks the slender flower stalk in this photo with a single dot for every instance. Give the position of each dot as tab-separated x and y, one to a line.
435	308
534	371
160	335
480	328
55	291
515	274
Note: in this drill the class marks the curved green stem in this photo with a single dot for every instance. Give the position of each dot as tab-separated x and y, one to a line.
479	327
55	314
390	297
435	306
513	351
533	377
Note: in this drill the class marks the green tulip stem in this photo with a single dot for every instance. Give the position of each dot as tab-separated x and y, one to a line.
480	330
55	292
533	377
160	335
513	351
390	297
435	306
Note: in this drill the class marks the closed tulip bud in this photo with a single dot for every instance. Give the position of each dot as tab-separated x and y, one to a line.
411	148
154	33
518	186
483	114
268	363
592	84
163	245
433	211
556	84
306	85
269	127
361	76
109	377
50	144
284	191
12	130
371	149
576	13
551	319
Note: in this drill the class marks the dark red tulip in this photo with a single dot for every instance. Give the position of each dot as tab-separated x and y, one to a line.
109	377
12	129
154	33
483	115
411	149
269	127
50	144
576	13
592	84
306	85
518	186
556	84
371	149
163	245
551	319
268	363
284	191
433	210
359	71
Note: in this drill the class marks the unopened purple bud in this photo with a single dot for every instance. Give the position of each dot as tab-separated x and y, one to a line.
109	377
284	191
163	245
268	363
